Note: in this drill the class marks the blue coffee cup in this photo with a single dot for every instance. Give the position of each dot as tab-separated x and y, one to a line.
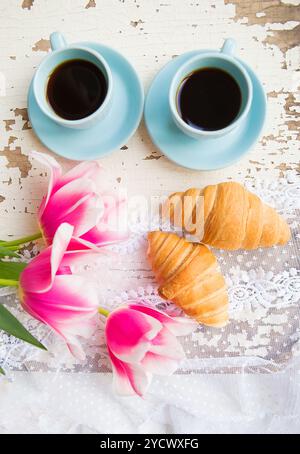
61	52
225	61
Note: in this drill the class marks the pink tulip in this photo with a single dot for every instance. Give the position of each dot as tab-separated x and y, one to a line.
141	342
52	294
75	198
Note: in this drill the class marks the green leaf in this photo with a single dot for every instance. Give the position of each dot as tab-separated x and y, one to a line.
11	325
11	270
4	252
2	371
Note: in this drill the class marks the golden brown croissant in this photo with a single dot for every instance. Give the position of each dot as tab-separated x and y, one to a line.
188	275
234	218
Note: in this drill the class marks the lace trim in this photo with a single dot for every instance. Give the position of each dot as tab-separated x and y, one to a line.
257	288
264	293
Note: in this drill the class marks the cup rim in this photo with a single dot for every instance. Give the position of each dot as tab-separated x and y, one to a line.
173	91
81	121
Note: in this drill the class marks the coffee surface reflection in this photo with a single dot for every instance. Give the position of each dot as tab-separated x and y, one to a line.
76	89
209	99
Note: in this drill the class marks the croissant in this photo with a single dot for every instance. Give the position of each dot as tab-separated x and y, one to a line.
188	275
233	218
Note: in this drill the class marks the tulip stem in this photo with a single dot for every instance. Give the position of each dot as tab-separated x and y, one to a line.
8	283
103	311
12	248
25	239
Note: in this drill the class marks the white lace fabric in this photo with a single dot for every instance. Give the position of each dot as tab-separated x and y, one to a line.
262	337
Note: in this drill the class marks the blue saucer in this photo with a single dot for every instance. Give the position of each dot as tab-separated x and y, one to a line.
112	132
202	154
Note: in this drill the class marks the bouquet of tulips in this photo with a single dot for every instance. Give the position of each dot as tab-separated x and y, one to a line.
75	223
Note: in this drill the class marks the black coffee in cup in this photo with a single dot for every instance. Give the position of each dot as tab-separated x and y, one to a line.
209	99
76	88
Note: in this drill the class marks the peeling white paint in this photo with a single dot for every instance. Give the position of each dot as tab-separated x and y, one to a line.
286	26
291	2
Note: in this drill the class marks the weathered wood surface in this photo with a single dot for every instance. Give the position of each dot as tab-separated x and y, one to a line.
149	33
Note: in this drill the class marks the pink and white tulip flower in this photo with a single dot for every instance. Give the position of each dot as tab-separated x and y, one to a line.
141	341
75	198
52	294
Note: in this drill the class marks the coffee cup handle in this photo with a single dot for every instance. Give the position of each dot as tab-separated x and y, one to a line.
57	41
229	46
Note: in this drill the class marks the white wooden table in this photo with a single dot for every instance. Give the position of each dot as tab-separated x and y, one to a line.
149	33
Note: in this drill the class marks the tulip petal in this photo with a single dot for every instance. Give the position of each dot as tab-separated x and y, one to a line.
81	252
61	240
55	174
39	274
129	333
75	348
112	207
69	308
179	326
69	196
86	169
76	204
160	365
166	344
128	379
78	244
84	328
112	225
70	296
104	238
